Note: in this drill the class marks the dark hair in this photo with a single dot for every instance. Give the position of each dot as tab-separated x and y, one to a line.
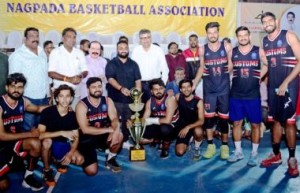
212	25
266	14
193	36
83	41
122	42
63	87
46	43
15	78
291	13
121	38
67	30
156	81
172	43
30	29
60	43
227	40
241	28
92	80
102	48
185	81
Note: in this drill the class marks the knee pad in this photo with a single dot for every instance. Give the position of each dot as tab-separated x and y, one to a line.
223	125
210	122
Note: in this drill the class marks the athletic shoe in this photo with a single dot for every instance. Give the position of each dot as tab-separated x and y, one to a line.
293	167
224	151
210	151
252	160
49	178
127	145
272	159
62	168
196	155
164	154
113	165
32	183
236	156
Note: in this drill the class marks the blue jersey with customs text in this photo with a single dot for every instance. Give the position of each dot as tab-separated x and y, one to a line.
97	115
246	74
188	110
12	117
159	109
216	76
281	60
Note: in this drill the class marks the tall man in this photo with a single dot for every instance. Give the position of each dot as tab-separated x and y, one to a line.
99	128
244	99
123	74
151	60
30	60
14	141
214	67
160	115
190	120
67	64
282	51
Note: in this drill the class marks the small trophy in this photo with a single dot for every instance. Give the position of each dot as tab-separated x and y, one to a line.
136	153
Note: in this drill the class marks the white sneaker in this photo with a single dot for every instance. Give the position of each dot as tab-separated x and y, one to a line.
127	145
236	156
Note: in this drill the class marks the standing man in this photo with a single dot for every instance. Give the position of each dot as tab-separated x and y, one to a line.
84	46
123	74
99	128
215	67
190	120
174	60
30	60
67	64
14	141
152	62
282	51
160	115
244	99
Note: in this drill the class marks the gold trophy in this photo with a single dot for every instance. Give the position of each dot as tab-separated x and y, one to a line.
136	153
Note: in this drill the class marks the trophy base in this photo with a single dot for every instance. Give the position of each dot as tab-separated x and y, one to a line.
137	154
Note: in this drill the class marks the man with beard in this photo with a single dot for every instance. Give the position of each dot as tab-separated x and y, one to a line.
282	51
174	60
96	68
30	60
244	101
214	68
190	120
160	115
14	141
192	58
84	46
99	128
123	74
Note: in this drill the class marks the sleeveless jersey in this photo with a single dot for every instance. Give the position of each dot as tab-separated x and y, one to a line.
159	109
281	60
192	62
12	117
215	75
246	74
188	110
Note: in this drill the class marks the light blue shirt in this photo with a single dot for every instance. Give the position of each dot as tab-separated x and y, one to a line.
34	68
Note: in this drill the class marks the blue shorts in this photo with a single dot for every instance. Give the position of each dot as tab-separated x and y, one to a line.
60	149
245	108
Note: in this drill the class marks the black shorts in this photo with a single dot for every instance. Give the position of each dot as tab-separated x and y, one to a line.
9	150
163	132
216	104
188	136
88	148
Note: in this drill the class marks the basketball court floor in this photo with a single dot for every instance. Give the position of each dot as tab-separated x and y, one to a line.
176	174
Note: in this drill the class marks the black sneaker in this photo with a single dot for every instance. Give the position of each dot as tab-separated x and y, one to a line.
113	165
164	154
62	168
49	178
31	182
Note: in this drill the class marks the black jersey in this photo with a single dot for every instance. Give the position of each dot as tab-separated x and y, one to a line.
188	110
216	75
246	74
281	60
13	117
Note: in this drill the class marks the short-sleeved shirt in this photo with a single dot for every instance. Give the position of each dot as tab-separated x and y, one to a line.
125	74
53	121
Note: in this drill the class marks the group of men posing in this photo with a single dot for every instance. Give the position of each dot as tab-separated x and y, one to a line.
73	137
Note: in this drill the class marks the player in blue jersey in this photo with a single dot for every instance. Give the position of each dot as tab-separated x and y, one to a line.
282	51
244	101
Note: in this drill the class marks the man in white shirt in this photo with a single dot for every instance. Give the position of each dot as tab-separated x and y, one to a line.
67	64
30	60
151	60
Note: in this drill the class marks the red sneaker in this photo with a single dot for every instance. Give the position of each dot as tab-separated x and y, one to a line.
293	167
272	159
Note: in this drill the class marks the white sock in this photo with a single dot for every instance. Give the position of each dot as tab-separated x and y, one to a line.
238	146
254	148
27	173
197	144
110	155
